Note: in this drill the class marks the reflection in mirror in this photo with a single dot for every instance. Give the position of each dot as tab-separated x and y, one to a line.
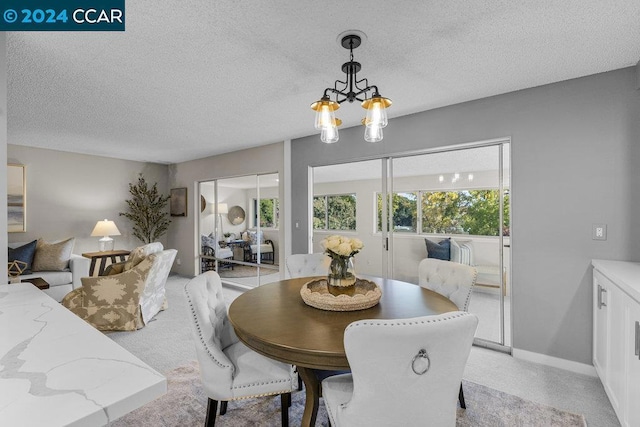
236	215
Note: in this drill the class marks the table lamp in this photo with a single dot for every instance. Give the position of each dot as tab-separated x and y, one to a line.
105	228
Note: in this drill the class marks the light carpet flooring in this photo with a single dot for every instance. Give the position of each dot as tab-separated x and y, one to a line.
166	343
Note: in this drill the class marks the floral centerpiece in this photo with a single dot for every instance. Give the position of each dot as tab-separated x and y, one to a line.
341	250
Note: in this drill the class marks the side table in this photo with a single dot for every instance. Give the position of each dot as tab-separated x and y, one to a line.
103	257
38	282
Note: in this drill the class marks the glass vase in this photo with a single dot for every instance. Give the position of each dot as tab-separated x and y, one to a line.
341	272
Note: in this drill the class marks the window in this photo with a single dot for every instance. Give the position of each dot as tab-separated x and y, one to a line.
474	212
269	213
404	211
335	212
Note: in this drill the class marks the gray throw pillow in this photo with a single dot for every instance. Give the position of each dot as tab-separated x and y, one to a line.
53	256
439	250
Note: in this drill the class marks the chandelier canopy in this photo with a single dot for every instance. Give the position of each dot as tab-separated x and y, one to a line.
351	89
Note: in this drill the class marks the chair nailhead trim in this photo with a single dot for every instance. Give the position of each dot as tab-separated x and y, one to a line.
204	343
403	322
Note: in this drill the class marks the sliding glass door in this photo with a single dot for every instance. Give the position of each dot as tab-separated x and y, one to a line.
454	205
239	229
398	206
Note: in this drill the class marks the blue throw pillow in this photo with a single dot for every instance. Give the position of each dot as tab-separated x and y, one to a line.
23	253
440	250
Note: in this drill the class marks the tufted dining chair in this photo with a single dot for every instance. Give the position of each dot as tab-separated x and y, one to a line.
404	371
229	369
307	265
451	279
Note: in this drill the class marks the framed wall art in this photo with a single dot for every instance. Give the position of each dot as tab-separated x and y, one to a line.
178	202
16	198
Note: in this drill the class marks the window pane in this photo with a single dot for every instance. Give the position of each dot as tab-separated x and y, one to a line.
472	212
442	212
319	213
379	208
269	213
482	213
405	212
342	212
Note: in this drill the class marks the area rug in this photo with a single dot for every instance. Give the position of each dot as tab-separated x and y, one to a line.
185	405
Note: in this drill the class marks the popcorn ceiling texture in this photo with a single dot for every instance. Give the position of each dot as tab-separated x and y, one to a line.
189	79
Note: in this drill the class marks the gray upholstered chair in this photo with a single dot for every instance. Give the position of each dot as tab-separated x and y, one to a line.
404	371
229	369
451	279
307	265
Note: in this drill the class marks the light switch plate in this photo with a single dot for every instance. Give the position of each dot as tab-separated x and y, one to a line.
599	232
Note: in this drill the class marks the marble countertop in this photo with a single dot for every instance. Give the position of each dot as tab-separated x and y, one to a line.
625	274
57	370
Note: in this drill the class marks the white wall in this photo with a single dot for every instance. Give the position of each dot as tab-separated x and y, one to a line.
68	193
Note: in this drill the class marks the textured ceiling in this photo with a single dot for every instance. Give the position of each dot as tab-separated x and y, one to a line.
194	78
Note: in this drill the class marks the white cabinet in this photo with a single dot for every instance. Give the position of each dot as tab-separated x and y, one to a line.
616	335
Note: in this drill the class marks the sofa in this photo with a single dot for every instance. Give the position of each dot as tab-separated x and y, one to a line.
52	261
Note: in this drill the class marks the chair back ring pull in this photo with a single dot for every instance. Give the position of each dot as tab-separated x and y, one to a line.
418	365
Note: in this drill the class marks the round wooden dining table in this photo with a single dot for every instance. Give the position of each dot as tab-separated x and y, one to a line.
274	321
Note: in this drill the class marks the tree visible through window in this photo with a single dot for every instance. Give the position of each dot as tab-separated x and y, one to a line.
405	212
269	212
335	212
474	212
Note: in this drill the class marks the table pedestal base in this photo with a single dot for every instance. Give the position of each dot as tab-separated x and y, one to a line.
312	390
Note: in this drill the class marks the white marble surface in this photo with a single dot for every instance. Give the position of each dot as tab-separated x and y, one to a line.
625	274
57	370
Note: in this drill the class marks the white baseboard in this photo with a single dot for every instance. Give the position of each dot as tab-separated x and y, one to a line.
556	362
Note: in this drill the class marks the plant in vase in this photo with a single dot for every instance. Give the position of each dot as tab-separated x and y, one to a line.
341	250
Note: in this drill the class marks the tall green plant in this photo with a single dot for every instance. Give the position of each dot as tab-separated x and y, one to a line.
147	211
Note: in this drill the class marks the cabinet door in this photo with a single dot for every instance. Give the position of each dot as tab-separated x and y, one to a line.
600	322
616	357
633	359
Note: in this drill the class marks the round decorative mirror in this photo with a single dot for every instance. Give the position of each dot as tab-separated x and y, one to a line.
236	215
203	203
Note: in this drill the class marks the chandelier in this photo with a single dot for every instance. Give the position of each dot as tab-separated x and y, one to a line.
351	89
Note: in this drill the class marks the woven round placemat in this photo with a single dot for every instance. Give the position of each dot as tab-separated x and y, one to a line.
316	294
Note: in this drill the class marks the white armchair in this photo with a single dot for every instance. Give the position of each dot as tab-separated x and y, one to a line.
228	368
404	371
307	265
130	293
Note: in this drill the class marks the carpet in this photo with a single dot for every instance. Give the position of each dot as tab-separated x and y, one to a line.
185	405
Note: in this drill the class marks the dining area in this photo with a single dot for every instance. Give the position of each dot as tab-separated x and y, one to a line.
374	352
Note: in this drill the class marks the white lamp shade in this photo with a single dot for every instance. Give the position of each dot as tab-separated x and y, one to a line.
223	208
105	228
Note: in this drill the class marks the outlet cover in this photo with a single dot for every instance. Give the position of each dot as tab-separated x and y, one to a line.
599	232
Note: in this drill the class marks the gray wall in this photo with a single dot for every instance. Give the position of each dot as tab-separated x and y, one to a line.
574	159
68	193
183	234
